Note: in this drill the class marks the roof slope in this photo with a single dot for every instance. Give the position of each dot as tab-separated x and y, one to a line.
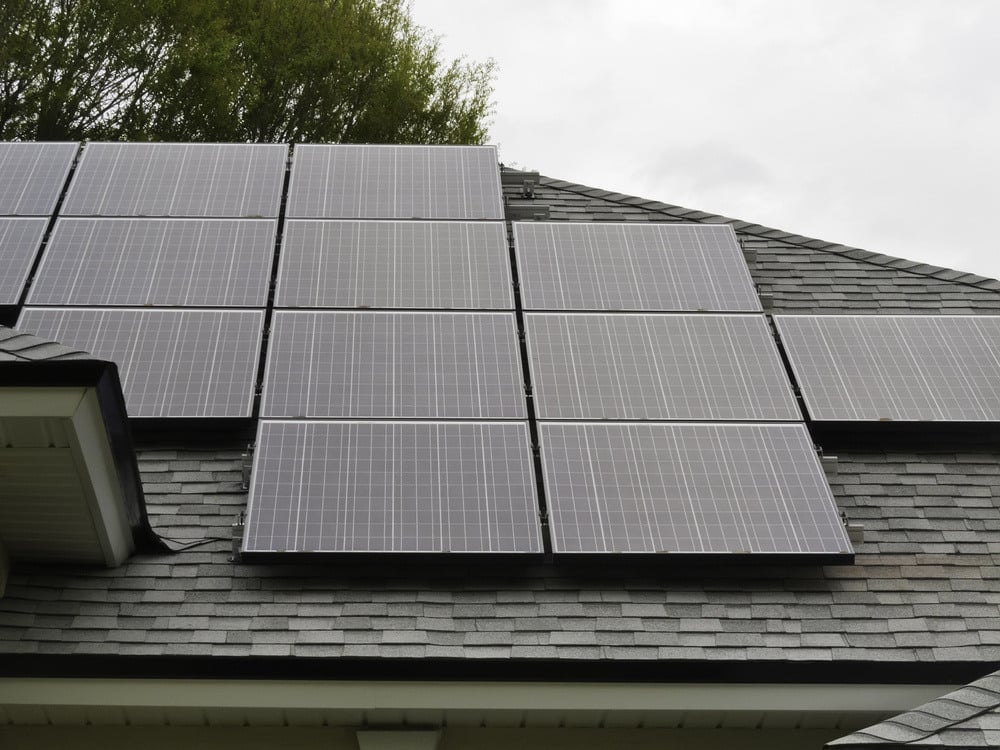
924	589
966	718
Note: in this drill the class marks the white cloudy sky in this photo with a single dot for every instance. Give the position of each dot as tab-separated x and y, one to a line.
875	123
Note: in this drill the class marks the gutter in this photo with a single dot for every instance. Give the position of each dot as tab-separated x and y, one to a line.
478	695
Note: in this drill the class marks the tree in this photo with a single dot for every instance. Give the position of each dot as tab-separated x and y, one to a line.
233	70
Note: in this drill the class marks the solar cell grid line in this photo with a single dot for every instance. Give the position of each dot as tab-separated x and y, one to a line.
394	182
20	239
157	262
173	363
400	487
32	176
394	264
657	367
632	267
386	364
701	489
895	368
224	180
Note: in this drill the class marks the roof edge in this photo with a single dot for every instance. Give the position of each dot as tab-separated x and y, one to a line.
927	723
521	670
770	233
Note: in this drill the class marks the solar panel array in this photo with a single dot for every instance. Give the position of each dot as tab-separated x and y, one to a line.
395	182
656	267
394	411
657	367
389	448
32	176
20	239
656	418
162	262
321	486
127	241
895	368
689	489
395	264
178	179
173	363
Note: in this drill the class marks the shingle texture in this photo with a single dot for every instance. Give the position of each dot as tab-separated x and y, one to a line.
967	717
925	585
17	346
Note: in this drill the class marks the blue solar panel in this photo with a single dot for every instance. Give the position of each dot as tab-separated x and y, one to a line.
157	262
20	239
237	180
32	176
699	489
173	363
464	487
395	182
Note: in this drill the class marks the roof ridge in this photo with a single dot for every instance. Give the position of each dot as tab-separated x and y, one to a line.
916	268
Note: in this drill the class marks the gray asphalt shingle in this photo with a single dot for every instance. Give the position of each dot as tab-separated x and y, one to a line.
925	584
967	717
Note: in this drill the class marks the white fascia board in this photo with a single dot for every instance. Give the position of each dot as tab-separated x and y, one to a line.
95	460
75	412
521	696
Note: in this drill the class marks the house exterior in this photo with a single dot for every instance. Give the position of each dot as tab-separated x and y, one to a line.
201	647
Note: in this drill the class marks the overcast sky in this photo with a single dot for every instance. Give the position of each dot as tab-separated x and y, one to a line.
875	124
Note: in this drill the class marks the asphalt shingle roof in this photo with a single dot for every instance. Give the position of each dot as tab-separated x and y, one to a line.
925	585
967	717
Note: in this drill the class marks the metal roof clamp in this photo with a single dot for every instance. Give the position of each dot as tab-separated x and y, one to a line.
237	540
246	465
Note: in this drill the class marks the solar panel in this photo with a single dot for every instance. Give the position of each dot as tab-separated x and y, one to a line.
898	368
167	262
655	267
236	180
395	182
687	488
32	176
380	364
392	487
173	363
414	264
19	243
656	367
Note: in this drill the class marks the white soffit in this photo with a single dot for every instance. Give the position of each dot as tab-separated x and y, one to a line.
60	497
